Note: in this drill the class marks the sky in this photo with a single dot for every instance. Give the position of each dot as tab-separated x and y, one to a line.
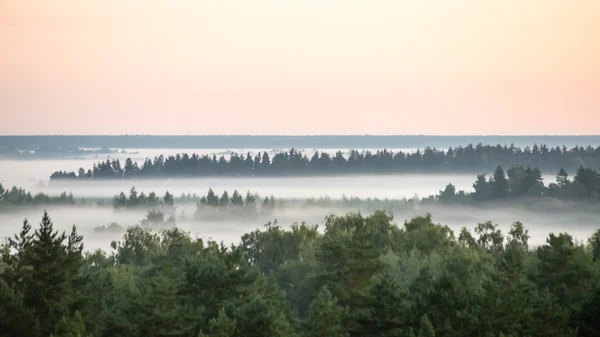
447	67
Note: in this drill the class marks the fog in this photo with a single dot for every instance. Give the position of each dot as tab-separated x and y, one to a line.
396	186
27	174
580	224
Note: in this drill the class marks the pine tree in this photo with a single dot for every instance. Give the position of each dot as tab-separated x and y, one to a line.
500	186
281	326
482	188
594	242
164	312
224	201
222	326
426	329
386	308
237	199
350	257
70	327
168	199
16	319
50	274
326	318
211	198
562	179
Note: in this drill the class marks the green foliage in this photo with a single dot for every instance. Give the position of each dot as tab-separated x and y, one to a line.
222	326
387	309
360	276
500	186
594	242
326	317
349	256
70	327
426	329
20	197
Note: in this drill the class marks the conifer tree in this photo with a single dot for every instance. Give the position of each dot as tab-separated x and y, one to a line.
70	327
50	274
500	186
386	308
325	318
426	329
221	326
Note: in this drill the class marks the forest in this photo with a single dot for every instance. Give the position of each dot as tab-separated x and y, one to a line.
357	276
53	152
17	196
510	185
468	159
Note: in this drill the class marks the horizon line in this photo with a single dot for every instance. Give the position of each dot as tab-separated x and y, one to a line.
299	135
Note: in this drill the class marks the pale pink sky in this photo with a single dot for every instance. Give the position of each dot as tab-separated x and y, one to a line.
300	67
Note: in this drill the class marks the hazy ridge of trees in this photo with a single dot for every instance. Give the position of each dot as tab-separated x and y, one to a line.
519	181
47	152
360	276
286	142
135	200
516	182
295	163
20	197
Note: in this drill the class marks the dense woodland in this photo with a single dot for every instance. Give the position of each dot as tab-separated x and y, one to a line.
295	163
358	276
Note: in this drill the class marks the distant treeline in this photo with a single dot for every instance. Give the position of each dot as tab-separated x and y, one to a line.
142	200
294	163
20	197
285	142
517	182
521	181
45	152
206	206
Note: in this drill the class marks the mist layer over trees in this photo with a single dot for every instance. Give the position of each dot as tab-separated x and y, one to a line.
352	276
358	276
295	163
508	186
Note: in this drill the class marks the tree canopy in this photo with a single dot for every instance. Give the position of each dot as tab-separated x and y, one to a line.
357	276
